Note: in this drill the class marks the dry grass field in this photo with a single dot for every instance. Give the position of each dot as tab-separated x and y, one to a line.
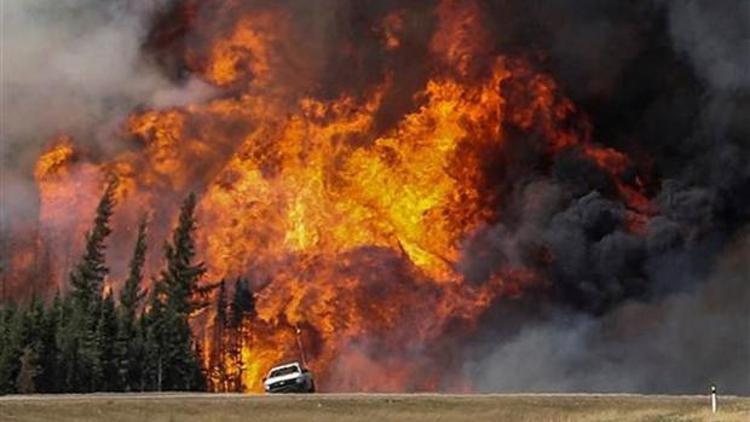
367	408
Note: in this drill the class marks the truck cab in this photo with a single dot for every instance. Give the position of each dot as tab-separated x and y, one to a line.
289	378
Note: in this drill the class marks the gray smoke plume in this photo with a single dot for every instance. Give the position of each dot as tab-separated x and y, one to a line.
716	37
676	345
667	83
73	67
668	311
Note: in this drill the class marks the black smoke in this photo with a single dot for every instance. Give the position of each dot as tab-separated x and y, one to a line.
662	311
667	83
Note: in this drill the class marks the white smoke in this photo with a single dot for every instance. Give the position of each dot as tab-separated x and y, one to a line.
73	65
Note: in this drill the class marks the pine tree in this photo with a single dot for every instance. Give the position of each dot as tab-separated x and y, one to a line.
12	347
5	318
242	310
181	277
79	344
106	335
182	296
29	369
27	348
218	369
33	345
20	336
197	378
129	346
152	323
67	344
243	303
48	379
87	277
140	354
132	293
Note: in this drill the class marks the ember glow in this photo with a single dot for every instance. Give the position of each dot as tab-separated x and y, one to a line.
350	231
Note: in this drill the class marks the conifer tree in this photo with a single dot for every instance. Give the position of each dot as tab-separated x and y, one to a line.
20	336
218	369
29	369
85	342
132	293
152	323
87	277
141	354
12	347
33	346
197	378
182	275
106	335
48	379
130	347
177	351
243	303
5	317
242	310
67	345
182	296
78	337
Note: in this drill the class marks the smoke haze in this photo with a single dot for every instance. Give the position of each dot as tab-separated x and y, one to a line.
663	310
677	344
74	67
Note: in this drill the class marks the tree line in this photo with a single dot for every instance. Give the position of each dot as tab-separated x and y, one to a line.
89	340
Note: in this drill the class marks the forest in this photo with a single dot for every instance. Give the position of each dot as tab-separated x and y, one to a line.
91	338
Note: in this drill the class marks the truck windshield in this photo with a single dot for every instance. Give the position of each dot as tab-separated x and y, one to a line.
283	371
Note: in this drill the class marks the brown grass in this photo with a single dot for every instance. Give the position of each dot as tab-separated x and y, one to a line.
368	408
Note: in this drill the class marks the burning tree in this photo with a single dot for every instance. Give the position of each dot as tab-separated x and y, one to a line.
352	229
386	185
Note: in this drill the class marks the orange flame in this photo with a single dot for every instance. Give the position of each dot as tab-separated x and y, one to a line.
351	233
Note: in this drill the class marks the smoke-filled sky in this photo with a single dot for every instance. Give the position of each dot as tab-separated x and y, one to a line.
667	83
73	67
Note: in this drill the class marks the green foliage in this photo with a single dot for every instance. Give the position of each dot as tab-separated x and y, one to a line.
28	371
87	277
132	293
106	336
12	346
49	353
181	275
79	342
85	341
152	323
130	341
177	296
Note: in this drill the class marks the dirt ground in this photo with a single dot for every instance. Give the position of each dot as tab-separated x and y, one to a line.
367	408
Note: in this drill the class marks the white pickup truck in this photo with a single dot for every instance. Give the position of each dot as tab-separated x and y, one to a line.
289	378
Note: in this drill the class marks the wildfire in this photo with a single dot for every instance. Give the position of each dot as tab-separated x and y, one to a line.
349	232
54	160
